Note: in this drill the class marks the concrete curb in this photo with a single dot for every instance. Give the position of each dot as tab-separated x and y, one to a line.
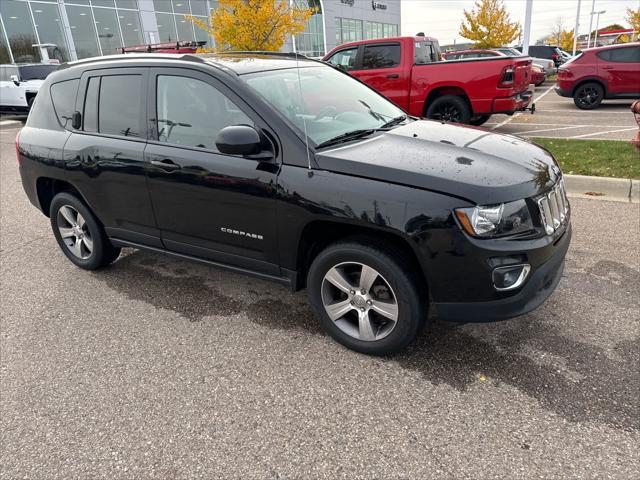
603	188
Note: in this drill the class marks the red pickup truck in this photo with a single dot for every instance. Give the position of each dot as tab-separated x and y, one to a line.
410	72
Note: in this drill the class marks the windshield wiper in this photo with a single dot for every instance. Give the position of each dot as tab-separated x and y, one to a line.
394	121
352	135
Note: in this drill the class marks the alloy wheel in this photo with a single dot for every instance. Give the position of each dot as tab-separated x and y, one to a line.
588	96
74	232
359	300
448	113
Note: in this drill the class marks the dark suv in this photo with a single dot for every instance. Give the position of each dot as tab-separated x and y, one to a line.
545	51
291	170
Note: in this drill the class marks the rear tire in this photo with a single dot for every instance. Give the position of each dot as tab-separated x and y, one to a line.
449	108
588	96
479	120
382	320
79	234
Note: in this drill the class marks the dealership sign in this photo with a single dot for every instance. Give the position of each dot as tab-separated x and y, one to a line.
378	5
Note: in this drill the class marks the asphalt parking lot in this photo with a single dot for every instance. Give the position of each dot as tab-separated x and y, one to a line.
558	117
161	368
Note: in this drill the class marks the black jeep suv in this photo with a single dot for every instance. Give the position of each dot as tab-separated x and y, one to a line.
291	170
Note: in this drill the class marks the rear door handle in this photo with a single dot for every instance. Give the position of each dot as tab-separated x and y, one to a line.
165	164
393	75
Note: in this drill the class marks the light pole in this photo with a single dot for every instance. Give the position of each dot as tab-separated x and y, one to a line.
595	40
575	29
593	7
527	28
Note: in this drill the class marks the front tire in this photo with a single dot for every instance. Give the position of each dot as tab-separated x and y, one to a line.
79	234
449	108
367	297
588	96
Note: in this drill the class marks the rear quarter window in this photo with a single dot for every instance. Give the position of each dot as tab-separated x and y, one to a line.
44	114
63	95
381	56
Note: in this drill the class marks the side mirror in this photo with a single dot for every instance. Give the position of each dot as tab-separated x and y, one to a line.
240	140
15	80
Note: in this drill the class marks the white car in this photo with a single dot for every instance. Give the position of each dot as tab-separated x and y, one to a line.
19	85
547	65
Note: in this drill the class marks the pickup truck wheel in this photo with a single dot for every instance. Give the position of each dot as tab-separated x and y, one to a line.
80	236
366	297
588	96
479	120
449	108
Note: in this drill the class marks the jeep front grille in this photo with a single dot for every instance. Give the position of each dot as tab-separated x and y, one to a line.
554	208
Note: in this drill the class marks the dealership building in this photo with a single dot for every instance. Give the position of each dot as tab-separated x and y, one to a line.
75	29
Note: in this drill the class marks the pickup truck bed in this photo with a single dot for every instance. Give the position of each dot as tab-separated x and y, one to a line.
411	73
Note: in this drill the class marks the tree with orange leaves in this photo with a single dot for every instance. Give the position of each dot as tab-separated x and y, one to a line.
488	25
253	25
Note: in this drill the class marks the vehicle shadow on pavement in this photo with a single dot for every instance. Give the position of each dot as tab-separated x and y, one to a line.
575	380
578	381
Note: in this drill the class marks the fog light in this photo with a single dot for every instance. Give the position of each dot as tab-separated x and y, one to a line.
508	278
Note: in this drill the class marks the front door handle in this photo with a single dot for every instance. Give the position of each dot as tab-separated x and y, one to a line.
393	75
165	164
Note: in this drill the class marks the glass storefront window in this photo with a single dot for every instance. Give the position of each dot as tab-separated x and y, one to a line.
108	30
202	35
130	26
103	3
4	48
132	4
166	27
199	7
162	6
83	31
19	29
311	41
49	27
181	6
185	29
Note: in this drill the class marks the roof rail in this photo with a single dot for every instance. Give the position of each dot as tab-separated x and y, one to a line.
168	56
265	52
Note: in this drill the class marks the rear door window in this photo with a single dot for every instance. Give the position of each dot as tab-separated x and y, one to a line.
381	56
119	105
621	55
63	95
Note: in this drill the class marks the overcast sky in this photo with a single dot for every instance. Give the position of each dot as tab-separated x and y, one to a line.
441	18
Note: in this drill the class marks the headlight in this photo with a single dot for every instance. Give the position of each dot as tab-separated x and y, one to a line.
495	220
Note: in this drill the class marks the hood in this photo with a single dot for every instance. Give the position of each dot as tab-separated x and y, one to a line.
467	162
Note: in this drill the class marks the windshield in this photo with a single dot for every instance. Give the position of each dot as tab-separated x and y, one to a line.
36	72
331	103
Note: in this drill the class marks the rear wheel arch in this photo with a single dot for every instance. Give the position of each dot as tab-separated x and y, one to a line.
599	81
446	90
47	188
318	235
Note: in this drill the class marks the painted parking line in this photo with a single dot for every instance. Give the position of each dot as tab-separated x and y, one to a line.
604	132
9	122
548	129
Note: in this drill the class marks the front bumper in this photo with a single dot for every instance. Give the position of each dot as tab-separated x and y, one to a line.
539	286
512	104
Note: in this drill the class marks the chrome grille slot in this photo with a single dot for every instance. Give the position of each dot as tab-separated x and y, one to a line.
554	208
